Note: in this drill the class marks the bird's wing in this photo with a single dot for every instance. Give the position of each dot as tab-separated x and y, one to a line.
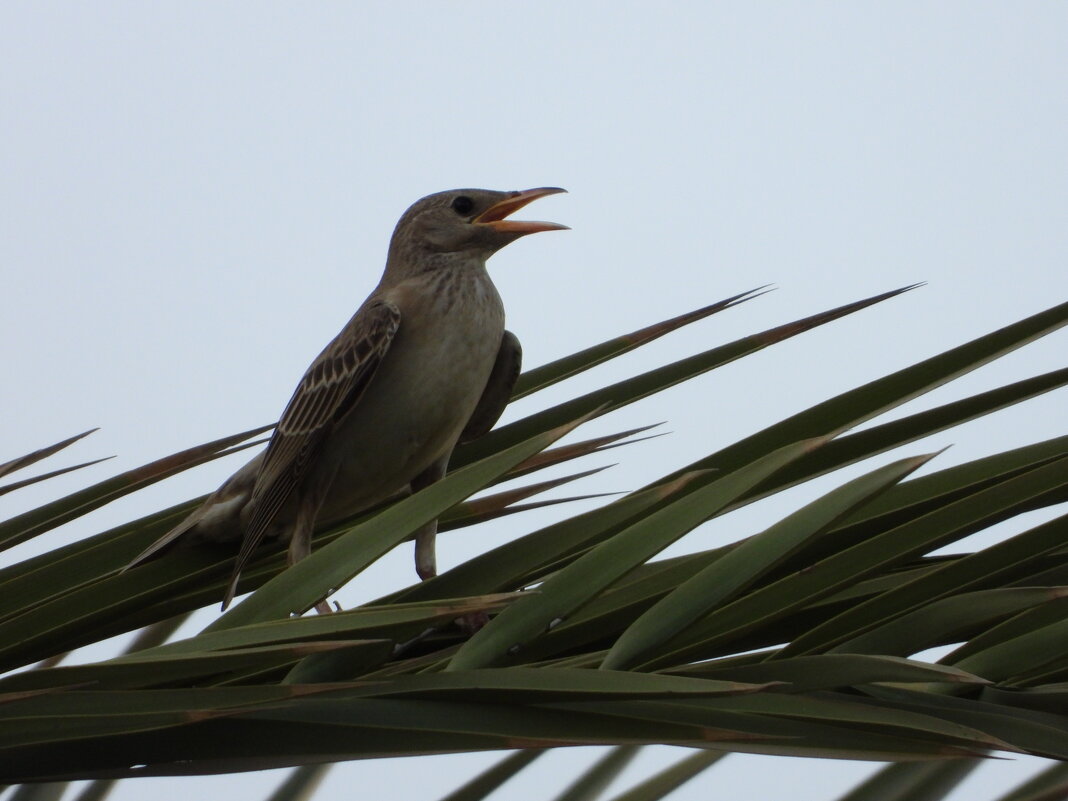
327	392
498	389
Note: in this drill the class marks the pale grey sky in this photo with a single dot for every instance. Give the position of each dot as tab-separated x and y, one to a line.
196	196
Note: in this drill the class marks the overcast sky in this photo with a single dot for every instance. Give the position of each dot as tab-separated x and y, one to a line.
196	196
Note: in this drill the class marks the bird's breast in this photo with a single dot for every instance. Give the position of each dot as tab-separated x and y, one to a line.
424	391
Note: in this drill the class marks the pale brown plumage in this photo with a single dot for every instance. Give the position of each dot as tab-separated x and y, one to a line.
423	364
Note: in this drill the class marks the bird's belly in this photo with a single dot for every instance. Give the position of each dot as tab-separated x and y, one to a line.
410	415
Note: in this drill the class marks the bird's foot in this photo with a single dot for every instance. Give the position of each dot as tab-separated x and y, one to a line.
323	607
471	622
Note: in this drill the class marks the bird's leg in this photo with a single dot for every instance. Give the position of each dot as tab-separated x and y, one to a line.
300	542
303	528
426	562
425	557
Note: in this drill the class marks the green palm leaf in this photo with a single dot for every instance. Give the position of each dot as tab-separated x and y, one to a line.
803	639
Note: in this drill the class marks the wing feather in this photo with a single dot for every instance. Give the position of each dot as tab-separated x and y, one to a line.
331	386
498	390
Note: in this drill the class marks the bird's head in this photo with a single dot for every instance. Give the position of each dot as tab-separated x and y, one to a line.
466	222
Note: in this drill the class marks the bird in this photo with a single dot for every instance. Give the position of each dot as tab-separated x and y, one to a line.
424	364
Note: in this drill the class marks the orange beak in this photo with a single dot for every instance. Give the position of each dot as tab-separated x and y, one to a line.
494	216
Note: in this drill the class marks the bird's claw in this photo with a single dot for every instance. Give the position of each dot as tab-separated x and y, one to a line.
471	622
323	607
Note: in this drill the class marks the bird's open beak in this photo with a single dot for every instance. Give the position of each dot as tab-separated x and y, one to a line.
494	216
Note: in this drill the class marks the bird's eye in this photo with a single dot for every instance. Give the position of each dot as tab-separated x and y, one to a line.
463	204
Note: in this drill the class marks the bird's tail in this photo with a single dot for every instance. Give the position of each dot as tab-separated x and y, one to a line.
164	543
217	519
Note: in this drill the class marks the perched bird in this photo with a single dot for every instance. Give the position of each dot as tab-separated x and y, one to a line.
424	363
